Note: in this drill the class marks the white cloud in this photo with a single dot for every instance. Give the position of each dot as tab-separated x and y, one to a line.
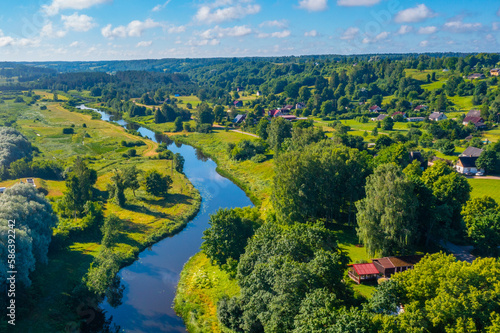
424	43
415	14
381	36
77	22
313	5
144	43
352	3
49	31
404	29
223	11
459	26
159	7
133	29
74	44
58	5
350	33
176	30
6	41
277	34
427	30
203	42
495	26
312	33
10	41
218	32
281	24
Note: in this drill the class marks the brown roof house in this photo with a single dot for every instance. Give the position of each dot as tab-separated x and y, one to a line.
495	72
477	121
437	116
390	265
476	76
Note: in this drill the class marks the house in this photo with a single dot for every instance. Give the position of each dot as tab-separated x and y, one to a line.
437	116
417	156
415	119
472	152
289	117
399	112
363	272
375	108
477	121
420	108
476	76
390	265
30	181
380	117
300	105
239	118
495	72
274	113
286	109
466	164
259	93
238	103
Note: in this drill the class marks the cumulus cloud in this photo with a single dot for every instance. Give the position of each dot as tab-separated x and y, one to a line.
313	5
282	24
133	29
415	14
218	32
350	33
58	5
404	29
312	33
74	44
11	41
144	43
176	29
458	26
277	34
381	36
427	30
77	22
226	10
424	43
352	3
49	31
203	42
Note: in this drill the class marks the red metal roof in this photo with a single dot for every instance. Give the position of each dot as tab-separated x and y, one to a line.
365	269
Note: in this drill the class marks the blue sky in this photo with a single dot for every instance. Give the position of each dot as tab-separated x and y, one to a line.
39	30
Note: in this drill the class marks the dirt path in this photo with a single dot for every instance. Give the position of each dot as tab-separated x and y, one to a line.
462	253
237	131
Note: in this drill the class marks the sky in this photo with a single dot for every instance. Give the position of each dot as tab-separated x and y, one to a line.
87	30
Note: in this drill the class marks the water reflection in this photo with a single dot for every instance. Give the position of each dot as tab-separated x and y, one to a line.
200	156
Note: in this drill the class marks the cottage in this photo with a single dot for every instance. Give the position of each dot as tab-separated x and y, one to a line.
239	118
467	165
238	103
472	152
476	76
274	113
420	108
399	112
415	119
300	106
477	121
495	72
286	109
390	265
380	117
363	272
437	116
375	108
259	93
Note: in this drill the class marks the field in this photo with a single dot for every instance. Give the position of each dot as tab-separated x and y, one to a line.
482	187
146	219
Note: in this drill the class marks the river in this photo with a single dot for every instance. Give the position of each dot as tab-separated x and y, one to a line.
150	282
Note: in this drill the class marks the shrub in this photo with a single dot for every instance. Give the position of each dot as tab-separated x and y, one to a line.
68	130
259	158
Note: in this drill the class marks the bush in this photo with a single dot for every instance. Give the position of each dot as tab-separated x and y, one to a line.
259	158
43	107
68	130
132	153
246	149
187	127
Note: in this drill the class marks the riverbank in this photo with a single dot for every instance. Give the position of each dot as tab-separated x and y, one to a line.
146	219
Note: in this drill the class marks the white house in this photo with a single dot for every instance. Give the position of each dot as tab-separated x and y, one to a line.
437	116
466	164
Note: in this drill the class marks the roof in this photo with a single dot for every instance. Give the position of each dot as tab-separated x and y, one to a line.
365	269
239	118
399	112
419	107
381	116
403	261
467	161
474	113
374	107
472	151
473	120
289	117
384	262
436	115
476	75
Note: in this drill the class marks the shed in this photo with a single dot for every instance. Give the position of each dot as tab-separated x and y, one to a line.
362	272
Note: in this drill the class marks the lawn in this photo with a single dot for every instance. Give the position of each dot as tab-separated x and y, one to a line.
200	287
483	187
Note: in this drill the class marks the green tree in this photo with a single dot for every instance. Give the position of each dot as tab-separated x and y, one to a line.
387	216
482	219
304	94
179	162
489	161
387	123
219	113
292	90
156	184
205	115
396	153
131	178
117	188
445	146
79	186
262	128
110	230
178	124
277	132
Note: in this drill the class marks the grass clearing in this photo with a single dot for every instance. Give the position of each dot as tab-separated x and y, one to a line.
482	187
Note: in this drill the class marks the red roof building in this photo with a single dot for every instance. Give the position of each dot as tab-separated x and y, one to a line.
362	272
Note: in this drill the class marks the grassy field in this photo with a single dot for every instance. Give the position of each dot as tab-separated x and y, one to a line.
146	218
200	287
482	187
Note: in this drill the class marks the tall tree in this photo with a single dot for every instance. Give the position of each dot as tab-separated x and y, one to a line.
277	132
387	216
157	184
79	186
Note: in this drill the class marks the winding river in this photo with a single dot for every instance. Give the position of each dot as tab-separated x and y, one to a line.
150	282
